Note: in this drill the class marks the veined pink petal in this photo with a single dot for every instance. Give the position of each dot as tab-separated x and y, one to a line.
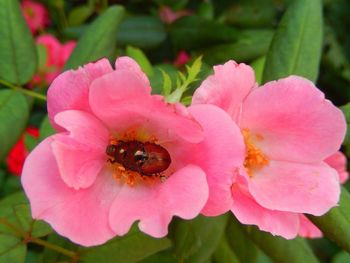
82	216
227	88
308	229
136	107
69	91
80	155
248	211
222	152
183	194
296	187
339	163
294	120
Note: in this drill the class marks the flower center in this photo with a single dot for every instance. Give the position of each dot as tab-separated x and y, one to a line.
133	161
255	159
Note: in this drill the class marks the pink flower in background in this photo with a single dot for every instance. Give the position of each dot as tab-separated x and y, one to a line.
181	59
19	152
35	14
168	16
289	129
56	55
91	180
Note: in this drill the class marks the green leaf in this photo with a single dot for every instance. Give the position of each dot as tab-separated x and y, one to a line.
141	59
11	249
167	84
157	80
258	66
46	129
14	111
195	32
37	228
342	257
79	14
98	40
17	50
250	45
128	249
224	253
279	249
296	46
144	32
196	240
336	223
242	246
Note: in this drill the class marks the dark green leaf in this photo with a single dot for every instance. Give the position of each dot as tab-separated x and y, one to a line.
13	117
50	255
141	31
45	129
128	249
196	32
196	240
242	246
224	253
17	50
11	249
98	40
79	14
251	45
342	257
336	223
279	249
296	46
166	256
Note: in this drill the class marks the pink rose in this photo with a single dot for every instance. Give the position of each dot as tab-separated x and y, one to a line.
35	14
56	56
289	129
89	190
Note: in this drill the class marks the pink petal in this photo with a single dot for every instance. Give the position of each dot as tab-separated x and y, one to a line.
220	154
82	216
128	64
227	88
123	101
80	155
183	194
248	211
308	229
339	163
294	120
295	187
69	91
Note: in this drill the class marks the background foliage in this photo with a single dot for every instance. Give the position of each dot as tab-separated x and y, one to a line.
277	37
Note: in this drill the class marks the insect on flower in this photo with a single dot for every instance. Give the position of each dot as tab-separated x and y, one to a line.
145	158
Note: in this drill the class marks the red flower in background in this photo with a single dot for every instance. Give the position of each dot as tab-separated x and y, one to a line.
168	16
181	59
35	14
18	153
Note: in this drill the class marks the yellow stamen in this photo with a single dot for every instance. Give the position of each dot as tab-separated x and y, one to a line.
255	158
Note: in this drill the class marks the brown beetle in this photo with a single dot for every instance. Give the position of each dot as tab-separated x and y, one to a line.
145	158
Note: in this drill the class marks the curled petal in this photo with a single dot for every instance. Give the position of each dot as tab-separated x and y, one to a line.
71	213
339	163
220	155
308	229
296	187
227	88
183	194
294	120
248	211
69	91
128	64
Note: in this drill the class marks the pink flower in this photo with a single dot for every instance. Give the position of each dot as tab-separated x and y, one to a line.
35	14
56	56
88	197
168	16
289	128
339	163
182	58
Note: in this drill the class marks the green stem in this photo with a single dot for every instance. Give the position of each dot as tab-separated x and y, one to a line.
54	247
24	91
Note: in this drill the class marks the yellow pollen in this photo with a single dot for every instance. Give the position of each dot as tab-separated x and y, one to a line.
255	158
